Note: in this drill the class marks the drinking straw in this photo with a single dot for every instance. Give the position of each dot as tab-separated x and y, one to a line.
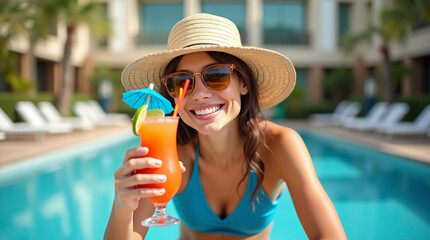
179	101
151	86
181	96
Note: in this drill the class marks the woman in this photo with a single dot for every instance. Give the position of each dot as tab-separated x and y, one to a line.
238	165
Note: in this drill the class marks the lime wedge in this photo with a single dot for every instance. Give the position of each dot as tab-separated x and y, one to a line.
139	116
155	113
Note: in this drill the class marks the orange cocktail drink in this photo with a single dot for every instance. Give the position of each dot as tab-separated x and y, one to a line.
158	134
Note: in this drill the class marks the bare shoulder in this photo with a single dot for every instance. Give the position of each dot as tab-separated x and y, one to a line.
286	150
280	138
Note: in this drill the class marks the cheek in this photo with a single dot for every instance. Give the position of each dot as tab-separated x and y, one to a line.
182	106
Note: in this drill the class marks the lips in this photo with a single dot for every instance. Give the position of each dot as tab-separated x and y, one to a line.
206	110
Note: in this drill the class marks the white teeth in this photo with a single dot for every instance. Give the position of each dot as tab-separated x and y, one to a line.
206	111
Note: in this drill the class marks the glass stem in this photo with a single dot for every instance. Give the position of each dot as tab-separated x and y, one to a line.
160	209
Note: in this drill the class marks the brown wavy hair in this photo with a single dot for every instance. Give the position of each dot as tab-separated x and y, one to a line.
249	117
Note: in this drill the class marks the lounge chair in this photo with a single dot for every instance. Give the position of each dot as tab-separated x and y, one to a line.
114	118
394	113
86	111
32	115
323	117
51	113
343	111
374	116
8	127
420	126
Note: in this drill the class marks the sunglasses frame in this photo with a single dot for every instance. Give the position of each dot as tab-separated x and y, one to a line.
230	66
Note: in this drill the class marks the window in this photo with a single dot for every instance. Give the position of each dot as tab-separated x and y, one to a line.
45	75
156	20
302	83
285	22
343	25
235	11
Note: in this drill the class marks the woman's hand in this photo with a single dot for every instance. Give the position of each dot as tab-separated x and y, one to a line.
126	194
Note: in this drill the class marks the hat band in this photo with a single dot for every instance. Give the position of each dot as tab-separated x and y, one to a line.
196	44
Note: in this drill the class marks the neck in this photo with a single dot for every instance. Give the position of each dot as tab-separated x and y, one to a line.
224	147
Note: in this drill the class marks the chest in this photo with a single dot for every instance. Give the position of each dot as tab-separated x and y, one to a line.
223	187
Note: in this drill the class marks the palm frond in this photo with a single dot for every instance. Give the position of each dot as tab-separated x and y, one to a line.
350	41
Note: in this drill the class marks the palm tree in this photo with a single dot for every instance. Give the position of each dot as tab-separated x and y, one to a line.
74	13
396	22
40	18
12	25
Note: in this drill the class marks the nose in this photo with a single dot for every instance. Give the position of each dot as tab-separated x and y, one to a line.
200	91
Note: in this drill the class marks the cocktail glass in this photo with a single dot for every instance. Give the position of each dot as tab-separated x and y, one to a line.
158	134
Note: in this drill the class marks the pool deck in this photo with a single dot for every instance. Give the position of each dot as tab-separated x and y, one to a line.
413	147
417	148
23	147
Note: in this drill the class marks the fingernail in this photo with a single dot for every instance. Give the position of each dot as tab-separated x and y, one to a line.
162	178
158	162
162	191
142	150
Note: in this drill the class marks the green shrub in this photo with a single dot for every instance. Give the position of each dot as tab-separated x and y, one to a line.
8	101
305	109
123	107
416	104
338	84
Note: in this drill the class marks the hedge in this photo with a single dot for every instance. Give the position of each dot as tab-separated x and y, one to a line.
8	101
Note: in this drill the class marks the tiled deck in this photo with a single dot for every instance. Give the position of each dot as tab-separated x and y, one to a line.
417	148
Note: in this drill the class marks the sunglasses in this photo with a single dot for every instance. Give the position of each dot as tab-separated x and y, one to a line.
215	77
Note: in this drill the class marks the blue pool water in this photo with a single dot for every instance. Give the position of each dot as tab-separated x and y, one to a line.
68	194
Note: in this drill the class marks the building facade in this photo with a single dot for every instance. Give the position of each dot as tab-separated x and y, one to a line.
308	32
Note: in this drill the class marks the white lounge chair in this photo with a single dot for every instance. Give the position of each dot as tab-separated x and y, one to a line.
8	127
32	115
114	118
325	117
51	113
394	113
344	110
373	117
420	126
84	110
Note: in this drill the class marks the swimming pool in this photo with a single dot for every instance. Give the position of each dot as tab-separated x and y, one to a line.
68	194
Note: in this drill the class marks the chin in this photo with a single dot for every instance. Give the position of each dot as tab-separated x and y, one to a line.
208	129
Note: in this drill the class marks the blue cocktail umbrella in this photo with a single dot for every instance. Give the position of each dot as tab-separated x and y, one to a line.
138	97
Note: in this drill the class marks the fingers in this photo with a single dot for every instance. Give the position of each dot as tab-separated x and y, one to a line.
135	153
131	194
181	165
139	179
134	159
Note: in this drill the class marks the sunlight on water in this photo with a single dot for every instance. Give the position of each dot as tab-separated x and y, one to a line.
69	195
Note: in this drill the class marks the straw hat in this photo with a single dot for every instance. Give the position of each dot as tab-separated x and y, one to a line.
274	72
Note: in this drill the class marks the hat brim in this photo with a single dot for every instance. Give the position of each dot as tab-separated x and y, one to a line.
275	74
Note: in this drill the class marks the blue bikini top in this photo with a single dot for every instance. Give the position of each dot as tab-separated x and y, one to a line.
196	213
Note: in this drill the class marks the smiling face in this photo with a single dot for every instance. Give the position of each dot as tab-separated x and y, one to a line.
206	110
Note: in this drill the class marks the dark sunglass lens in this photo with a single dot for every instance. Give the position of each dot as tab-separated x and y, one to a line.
176	81
217	77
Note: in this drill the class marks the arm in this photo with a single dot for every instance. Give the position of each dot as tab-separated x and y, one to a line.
313	206
130	205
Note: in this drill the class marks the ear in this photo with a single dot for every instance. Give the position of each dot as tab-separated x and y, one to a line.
243	89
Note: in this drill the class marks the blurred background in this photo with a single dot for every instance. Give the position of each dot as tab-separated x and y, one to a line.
362	50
